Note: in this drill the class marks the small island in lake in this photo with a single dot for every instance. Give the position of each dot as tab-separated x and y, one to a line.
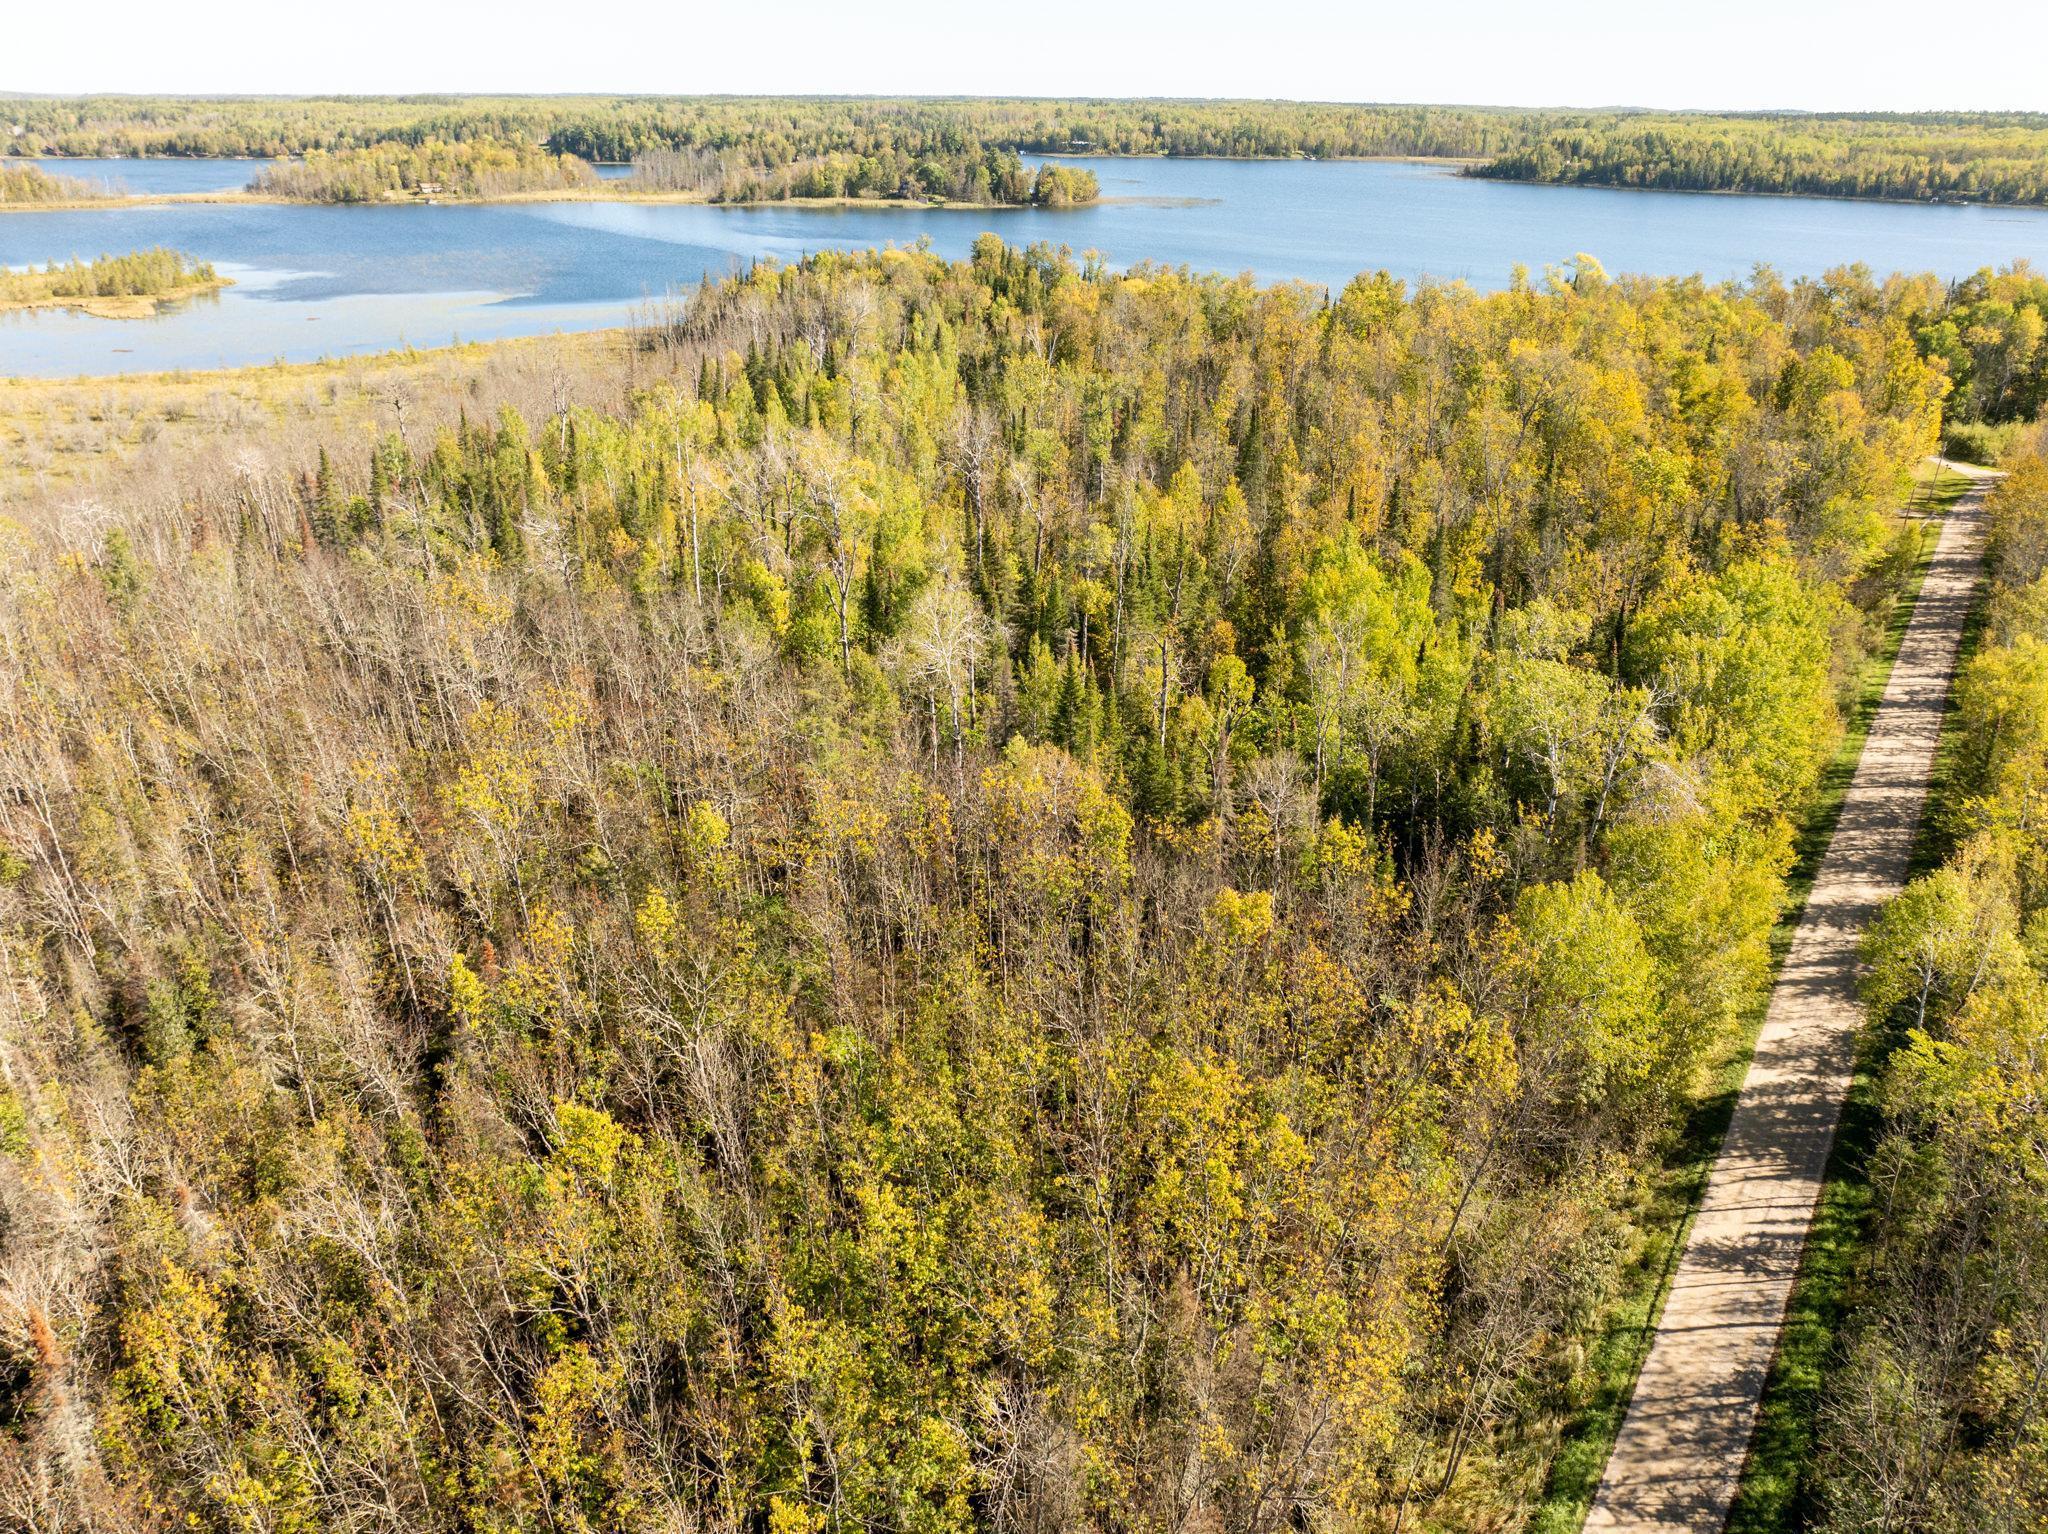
134	286
494	170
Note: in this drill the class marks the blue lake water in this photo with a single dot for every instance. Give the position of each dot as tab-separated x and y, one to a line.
146	178
324	281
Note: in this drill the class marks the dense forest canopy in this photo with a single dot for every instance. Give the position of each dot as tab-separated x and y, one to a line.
1993	157
1013	897
1992	337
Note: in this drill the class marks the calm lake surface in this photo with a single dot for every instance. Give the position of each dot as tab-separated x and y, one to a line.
146	178
325	281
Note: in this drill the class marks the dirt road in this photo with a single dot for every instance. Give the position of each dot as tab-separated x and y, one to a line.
1677	1462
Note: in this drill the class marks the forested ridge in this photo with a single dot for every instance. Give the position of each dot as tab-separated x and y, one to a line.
1014	898
761	147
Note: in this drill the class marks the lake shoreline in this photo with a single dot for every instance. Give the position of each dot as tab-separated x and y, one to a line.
1469	167
604	192
118	306
119	201
317	283
1732	191
401	356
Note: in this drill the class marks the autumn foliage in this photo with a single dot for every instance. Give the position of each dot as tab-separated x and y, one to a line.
1016	898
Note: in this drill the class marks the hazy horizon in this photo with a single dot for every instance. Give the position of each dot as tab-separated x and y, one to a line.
487	92
1747	55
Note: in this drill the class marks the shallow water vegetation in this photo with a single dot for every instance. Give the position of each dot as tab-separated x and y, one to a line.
1002	896
115	287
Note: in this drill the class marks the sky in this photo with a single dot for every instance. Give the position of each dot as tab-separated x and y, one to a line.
1813	54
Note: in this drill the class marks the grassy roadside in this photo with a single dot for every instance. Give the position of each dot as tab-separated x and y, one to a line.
1776	1496
1665	1216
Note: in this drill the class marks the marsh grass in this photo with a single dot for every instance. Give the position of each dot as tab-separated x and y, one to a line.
61	439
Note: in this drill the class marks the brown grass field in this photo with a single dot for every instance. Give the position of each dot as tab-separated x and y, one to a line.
66	443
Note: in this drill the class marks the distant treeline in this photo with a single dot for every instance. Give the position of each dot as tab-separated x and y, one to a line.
765	130
194	127
1981	158
846	146
784	130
